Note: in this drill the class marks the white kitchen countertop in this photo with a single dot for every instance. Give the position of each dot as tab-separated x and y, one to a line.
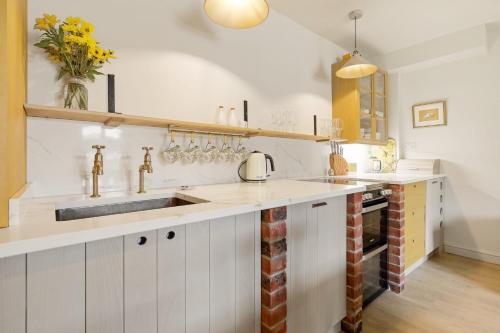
33	226
390	178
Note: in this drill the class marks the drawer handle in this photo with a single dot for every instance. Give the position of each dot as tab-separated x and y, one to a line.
435	182
441	198
171	235
320	204
142	240
441	211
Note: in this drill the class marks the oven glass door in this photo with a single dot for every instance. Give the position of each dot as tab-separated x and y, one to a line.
374	274
374	225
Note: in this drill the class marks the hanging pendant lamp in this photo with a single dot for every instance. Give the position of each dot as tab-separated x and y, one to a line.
357	66
237	14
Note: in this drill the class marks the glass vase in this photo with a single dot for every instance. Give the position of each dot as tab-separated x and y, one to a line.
76	95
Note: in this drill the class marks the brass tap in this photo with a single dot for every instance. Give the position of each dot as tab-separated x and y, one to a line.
146	167
97	170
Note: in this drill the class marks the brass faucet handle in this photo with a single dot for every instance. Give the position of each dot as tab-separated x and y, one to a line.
147	149
98	147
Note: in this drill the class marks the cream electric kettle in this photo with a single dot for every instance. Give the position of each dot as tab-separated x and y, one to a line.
256	170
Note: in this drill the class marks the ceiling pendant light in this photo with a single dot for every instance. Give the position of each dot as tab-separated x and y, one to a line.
357	66
237	14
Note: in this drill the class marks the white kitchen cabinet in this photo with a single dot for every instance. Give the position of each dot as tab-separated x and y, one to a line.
172	280
434	214
56	290
104	286
316	265
197	278
223	275
13	294
140	278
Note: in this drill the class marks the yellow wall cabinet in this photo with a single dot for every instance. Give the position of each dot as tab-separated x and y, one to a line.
415	228
362	106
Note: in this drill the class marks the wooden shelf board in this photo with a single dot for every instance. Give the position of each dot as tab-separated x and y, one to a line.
114	120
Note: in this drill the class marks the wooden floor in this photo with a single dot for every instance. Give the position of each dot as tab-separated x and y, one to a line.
447	294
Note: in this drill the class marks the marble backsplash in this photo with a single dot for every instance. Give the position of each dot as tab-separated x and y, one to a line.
60	158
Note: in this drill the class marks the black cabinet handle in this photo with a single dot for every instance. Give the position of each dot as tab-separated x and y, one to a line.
171	235
321	204
142	240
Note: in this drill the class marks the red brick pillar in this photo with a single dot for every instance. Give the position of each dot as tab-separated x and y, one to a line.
396	239
352	323
273	265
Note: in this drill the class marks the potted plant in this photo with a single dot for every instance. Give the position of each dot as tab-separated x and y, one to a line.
70	45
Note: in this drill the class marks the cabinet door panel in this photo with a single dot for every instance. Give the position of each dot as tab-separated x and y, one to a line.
316	265
433	216
56	290
327	263
332	242
172	280
222	275
197	277
104	286
312	292
331	262
246	284
296	268
140	283
13	294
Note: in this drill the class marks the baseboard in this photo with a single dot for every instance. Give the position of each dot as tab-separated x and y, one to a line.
419	262
481	256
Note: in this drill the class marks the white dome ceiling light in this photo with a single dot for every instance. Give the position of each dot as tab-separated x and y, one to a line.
237	14
357	66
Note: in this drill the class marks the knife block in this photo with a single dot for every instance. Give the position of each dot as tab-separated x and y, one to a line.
339	165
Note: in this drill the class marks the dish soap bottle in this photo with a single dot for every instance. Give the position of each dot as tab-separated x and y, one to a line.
231	118
220	118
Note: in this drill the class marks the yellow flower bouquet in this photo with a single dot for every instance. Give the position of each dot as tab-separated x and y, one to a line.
70	45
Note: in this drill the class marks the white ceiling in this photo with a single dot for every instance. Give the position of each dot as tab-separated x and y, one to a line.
388	25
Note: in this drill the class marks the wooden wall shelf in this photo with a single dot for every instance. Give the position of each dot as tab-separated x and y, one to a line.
114	120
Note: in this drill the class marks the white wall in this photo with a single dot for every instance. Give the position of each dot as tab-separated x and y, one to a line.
469	146
173	62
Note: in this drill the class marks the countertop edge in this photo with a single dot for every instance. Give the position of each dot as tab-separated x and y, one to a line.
35	244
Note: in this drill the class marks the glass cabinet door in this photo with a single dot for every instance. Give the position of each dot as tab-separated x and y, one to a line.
365	109
379	106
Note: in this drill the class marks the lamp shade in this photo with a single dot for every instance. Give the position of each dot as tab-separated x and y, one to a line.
356	67
237	14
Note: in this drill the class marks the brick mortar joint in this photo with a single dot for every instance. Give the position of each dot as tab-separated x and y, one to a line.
274	257
271	293
275	325
274	274
277	306
270	242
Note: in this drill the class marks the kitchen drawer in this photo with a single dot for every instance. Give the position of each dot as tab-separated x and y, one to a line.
415	249
415	196
415	224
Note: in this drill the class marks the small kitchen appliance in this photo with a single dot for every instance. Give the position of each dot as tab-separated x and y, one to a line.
256	167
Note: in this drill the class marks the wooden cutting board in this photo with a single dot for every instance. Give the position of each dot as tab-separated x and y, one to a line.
339	165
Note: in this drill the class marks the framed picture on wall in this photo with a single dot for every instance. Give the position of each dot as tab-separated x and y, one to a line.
430	114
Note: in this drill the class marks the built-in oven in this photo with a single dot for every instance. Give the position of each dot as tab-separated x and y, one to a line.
375	224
